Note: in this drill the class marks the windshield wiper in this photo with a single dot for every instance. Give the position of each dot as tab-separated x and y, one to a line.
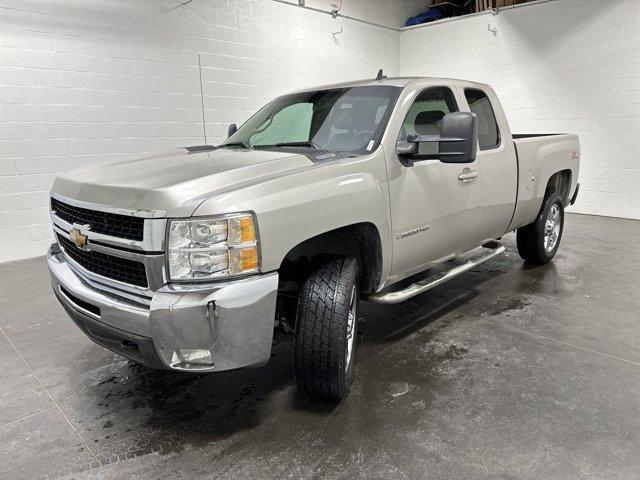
243	144
305	143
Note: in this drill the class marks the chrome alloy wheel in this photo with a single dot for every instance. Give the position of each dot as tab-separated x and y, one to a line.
351	327
552	228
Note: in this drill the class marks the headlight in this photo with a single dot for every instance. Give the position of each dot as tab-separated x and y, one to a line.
206	248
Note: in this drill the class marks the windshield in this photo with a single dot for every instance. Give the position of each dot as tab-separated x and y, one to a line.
340	120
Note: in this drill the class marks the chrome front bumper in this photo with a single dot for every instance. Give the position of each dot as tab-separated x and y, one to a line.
234	320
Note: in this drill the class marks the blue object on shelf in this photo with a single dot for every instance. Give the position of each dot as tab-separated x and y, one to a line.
428	16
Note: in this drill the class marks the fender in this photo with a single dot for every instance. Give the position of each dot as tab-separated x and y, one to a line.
302	205
540	158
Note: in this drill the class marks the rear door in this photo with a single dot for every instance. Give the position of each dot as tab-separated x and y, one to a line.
435	214
497	158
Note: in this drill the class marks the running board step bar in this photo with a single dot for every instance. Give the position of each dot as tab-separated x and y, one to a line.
494	249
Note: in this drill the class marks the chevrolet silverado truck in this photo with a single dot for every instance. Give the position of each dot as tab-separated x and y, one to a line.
376	190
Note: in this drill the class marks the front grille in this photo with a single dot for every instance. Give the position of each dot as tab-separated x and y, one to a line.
113	224
116	268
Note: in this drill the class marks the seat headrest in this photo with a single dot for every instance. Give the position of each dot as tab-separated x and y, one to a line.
428	118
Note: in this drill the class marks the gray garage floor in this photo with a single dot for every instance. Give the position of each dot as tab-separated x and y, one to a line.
507	372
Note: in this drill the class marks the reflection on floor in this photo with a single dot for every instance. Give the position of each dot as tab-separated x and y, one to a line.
508	371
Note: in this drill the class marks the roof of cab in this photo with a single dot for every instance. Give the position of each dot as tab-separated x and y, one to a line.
392	81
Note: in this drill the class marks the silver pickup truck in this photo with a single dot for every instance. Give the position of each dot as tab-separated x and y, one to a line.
376	190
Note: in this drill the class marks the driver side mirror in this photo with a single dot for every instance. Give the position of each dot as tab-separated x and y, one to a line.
232	129
457	143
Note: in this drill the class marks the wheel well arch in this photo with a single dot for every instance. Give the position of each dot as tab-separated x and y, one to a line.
359	240
560	182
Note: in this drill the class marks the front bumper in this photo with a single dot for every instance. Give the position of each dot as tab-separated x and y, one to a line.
234	321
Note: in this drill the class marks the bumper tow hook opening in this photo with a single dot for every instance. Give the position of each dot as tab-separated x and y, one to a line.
129	344
211	310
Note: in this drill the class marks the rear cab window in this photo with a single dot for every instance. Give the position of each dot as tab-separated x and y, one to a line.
488	130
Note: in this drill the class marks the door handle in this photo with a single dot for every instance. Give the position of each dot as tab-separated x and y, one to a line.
467	175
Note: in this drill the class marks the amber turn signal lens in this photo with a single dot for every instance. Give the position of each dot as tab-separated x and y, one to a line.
249	259
247	232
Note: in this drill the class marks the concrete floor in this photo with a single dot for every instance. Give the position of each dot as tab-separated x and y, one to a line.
507	372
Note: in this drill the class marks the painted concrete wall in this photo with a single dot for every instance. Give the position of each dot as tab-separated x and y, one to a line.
561	66
89	80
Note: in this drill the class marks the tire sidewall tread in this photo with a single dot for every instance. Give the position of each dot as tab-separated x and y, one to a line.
530	238
320	333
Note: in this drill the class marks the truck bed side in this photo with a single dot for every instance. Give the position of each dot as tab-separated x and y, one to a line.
539	157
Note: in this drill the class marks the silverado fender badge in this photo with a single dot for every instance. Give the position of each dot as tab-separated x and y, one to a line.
413	231
78	237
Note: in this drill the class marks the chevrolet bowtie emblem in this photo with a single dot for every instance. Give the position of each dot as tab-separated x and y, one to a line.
78	238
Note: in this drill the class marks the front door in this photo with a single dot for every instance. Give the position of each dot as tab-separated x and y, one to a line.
435	206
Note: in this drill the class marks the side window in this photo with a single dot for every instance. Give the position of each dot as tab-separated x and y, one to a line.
426	113
291	124
488	132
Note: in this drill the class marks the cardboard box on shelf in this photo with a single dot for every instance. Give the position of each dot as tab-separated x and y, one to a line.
482	5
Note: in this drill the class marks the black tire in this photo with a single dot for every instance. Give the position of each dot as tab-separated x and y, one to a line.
531	238
320	346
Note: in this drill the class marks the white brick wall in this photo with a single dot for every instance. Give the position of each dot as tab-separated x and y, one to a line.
92	80
561	66
89	81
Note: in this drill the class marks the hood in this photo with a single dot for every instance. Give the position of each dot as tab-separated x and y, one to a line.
177	181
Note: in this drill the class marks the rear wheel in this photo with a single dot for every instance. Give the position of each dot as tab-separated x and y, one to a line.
538	242
326	330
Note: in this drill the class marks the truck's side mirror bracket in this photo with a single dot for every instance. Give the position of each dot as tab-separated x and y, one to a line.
410	147
457	143
407	150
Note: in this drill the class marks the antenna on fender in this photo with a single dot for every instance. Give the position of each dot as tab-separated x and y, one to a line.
204	122
380	76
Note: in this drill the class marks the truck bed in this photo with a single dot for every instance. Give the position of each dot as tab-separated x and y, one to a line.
517	136
539	156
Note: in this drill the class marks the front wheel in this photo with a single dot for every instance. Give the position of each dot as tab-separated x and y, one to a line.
538	242
326	330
